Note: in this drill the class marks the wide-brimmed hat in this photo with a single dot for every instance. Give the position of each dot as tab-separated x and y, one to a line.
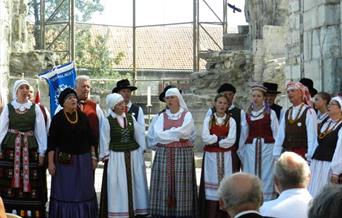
162	94
272	88
309	84
226	87
123	84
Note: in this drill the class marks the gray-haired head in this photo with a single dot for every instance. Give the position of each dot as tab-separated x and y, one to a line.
291	171
81	78
240	192
327	204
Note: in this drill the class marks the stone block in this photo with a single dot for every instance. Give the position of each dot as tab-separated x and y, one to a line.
234	41
308	45
294	22
310	19
312	68
292	72
275	40
332	78
293	6
328	14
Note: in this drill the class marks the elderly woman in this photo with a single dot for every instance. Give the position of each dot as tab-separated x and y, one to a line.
257	140
326	164
218	134
23	146
71	154
122	143
173	182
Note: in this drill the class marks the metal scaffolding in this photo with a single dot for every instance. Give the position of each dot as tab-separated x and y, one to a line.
69	27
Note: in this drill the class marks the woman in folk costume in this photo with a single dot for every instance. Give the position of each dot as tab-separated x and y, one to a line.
257	139
218	134
321	101
326	164
173	179
122	144
23	146
72	159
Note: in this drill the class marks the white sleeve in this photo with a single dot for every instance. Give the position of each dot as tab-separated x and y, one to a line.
104	140
4	121
231	137
311	130
141	117
282	114
174	134
207	138
100	116
40	131
336	162
244	130
278	144
139	134
274	124
48	119
150	137
209	112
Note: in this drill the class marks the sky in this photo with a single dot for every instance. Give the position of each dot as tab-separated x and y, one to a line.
149	12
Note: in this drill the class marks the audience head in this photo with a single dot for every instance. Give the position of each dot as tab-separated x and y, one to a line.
327	204
83	87
291	171
240	192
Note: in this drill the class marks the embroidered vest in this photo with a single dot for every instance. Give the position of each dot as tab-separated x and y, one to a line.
260	129
221	131
122	139
295	134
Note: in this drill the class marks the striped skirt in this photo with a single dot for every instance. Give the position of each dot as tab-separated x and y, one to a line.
25	204
173	183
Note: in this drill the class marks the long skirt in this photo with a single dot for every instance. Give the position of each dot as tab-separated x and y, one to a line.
320	176
25	204
173	184
72	189
216	165
258	160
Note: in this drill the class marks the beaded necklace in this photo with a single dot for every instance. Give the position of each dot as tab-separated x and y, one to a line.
69	120
327	131
291	121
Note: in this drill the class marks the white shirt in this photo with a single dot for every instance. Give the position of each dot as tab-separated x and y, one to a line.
39	128
185	131
246	212
290	203
227	142
311	130
139	135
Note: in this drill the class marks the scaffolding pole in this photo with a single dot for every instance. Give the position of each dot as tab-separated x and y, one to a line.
195	35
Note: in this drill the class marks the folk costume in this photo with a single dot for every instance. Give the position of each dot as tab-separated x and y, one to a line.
218	134
298	130
23	140
272	88
122	143
72	187
327	159
173	180
256	146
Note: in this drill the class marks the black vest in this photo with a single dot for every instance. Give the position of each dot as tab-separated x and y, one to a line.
326	146
134	110
277	110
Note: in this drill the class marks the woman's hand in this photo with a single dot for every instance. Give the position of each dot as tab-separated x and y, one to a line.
94	162
52	168
41	161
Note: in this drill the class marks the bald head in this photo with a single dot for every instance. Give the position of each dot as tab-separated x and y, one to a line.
291	171
240	192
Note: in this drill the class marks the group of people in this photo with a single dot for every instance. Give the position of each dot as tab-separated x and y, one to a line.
80	135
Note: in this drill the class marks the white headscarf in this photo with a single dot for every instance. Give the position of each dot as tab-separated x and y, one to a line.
16	86
112	100
337	99
175	92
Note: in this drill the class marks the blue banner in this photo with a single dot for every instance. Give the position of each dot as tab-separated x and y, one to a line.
59	78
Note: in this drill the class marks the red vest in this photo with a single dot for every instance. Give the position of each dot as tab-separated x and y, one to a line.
220	131
89	108
260	129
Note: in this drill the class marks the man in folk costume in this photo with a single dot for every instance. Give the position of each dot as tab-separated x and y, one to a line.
271	94
239	116
124	88
298	130
122	145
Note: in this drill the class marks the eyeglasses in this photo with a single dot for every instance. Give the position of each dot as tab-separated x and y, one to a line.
333	103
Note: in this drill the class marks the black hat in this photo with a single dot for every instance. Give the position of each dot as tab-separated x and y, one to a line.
123	84
226	87
64	94
162	94
309	84
272	88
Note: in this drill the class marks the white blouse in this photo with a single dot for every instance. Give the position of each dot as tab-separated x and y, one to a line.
227	142
185	131
39	130
139	134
